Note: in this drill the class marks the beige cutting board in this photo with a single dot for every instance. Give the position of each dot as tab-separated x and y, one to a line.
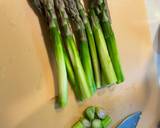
27	71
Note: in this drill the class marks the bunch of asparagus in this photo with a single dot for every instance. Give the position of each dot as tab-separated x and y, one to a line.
94	117
84	46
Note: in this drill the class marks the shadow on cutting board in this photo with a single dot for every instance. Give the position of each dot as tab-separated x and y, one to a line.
48	45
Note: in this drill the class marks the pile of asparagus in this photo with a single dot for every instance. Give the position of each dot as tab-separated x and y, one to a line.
84	46
94	117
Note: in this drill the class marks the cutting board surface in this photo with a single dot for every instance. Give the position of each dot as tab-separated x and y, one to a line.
27	71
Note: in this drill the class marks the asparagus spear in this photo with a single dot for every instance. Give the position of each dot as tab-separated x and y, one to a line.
104	18
71	76
72	50
46	7
84	49
70	73
91	41
105	61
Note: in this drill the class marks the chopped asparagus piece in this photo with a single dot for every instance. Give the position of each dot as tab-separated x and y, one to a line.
100	112
106	121
86	123
97	123
90	113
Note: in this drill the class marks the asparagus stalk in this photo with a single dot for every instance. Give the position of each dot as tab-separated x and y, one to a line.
71	76
105	61
104	18
46	7
91	41
73	51
70	72
84	49
104	82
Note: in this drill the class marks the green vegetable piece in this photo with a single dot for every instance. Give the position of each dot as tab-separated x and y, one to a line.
90	113
78	125
97	123
104	58
46	8
86	123
91	42
104	17
71	77
106	121
100	112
